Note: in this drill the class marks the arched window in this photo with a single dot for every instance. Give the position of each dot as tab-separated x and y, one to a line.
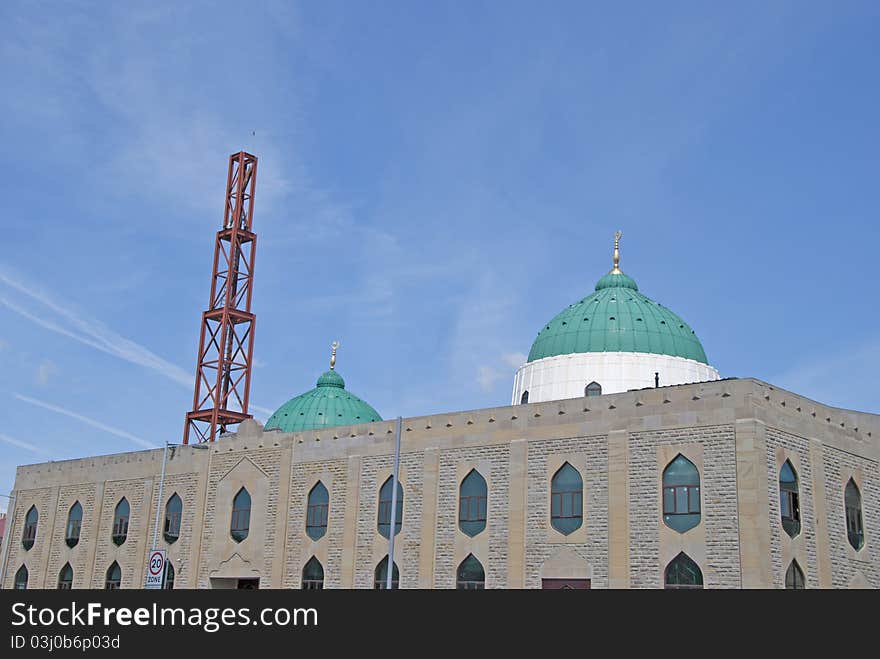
173	513
29	532
169	576
114	577
472	496
240	525
794	577
313	575
789	505
681	494
317	511
21	578
855	532
120	522
524	398
74	524
65	577
384	518
381	576
471	575
566	500
593	389
682	572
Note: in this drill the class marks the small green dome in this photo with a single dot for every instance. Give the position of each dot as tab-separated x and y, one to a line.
325	406
617	318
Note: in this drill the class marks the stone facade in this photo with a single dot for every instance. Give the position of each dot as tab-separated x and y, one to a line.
737	433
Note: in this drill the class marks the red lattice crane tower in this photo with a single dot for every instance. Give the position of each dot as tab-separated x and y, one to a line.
226	343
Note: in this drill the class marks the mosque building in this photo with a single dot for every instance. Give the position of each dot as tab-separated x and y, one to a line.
623	461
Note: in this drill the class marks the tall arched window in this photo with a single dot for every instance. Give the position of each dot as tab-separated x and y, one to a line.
524	398
681	494
65	577
113	580
173	513
384	517
240	525
789	504
74	525
471	575
313	575
794	577
29	532
852	499
381	576
317	511
566	500
21	578
120	522
682	572
593	389
472	497
169	576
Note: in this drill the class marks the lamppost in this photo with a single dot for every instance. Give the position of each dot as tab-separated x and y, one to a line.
162	488
7	535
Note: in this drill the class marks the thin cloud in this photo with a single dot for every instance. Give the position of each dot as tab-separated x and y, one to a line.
89	421
12	441
91	332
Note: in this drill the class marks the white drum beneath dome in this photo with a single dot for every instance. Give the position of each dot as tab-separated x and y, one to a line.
567	376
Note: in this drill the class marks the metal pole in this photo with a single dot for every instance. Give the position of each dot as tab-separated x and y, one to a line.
159	500
7	536
393	506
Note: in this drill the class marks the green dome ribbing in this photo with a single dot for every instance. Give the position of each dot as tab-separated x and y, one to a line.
617	318
325	406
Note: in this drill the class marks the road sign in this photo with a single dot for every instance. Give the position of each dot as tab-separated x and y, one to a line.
155	569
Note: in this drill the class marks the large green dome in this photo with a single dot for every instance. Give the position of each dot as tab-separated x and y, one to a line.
617	318
325	406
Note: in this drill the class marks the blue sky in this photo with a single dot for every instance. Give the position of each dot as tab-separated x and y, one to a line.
436	181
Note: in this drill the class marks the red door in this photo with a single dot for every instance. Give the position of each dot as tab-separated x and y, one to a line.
565	584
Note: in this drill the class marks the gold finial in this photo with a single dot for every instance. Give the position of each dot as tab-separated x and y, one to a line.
333	345
616	269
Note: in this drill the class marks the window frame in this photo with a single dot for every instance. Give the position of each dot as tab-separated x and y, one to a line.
119	530
572	496
317	514
113	584
312	583
73	529
237	531
383	513
853	516
29	530
173	520
64	584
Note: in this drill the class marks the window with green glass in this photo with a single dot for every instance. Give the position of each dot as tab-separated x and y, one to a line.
794	577
593	389
65	577
113	580
789	504
317	511
472	498
240	524
74	525
383	521
681	494
313	575
169	576
524	399
471	575
566	500
21	578
120	522
682	572
29	532
855	532
381	576
173	515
